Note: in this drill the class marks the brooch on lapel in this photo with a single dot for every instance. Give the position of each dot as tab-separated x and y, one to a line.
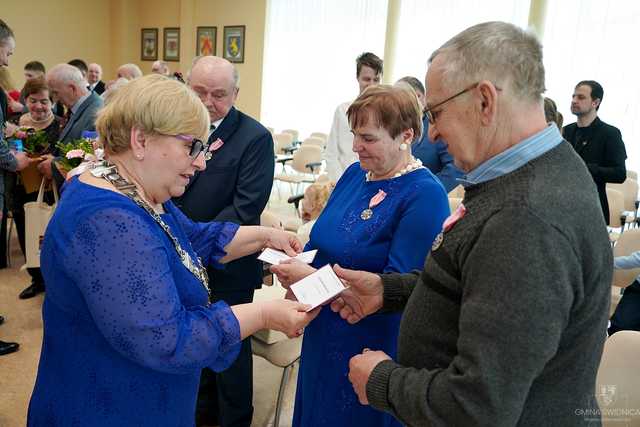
448	225
215	145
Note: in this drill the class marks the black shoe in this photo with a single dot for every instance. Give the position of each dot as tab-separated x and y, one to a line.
8	347
1	320
32	290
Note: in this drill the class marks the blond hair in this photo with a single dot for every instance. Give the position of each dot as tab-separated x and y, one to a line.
154	104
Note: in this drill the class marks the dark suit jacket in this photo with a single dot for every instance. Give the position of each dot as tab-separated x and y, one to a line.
234	187
99	88
83	119
603	151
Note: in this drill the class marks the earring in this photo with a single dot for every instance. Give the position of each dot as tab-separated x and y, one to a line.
403	147
139	156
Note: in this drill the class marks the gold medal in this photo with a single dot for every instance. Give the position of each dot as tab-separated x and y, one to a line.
366	214
438	241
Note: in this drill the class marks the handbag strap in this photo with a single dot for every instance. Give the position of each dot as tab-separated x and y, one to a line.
109	172
54	188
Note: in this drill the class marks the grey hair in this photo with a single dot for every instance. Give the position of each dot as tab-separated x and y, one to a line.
113	87
236	75
66	73
508	56
5	32
133	68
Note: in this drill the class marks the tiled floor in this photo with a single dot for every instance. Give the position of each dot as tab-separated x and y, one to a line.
24	324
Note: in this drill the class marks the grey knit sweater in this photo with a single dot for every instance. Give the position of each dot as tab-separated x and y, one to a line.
505	326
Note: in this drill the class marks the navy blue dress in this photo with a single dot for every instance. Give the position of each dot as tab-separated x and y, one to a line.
127	328
396	238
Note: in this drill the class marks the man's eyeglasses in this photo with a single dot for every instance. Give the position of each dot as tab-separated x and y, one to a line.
433	115
197	146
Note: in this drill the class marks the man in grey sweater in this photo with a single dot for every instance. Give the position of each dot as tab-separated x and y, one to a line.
506	324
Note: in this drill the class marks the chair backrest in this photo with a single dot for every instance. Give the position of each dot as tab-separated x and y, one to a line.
632	174
628	242
305	155
280	141
320	135
457	192
618	380
454	202
629	190
318	142
616	206
294	133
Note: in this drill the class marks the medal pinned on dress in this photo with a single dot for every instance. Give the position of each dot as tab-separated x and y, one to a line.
215	145
375	201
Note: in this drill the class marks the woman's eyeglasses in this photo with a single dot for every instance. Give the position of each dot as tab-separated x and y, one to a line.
197	146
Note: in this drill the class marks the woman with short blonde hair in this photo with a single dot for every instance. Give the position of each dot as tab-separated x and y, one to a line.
128	325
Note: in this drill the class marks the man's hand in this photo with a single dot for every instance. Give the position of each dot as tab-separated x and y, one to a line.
22	160
363	297
360	368
45	166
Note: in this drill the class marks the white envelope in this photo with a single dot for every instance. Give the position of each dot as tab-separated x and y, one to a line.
318	288
274	257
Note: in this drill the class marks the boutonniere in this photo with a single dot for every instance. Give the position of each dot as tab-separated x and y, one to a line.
214	146
448	225
375	201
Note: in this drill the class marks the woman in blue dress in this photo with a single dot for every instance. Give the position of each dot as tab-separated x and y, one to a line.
382	216
127	322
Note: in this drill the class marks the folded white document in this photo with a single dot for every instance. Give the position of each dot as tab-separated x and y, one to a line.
273	256
318	288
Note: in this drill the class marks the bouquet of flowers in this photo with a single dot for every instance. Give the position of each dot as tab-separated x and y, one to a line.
75	152
34	142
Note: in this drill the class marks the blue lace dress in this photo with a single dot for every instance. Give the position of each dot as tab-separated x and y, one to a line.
127	328
396	238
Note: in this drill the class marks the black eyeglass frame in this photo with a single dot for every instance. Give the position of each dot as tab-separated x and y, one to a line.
431	116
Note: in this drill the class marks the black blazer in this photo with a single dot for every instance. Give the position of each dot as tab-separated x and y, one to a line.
234	187
604	154
99	88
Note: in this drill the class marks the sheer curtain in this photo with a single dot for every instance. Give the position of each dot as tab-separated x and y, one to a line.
426	24
309	58
596	40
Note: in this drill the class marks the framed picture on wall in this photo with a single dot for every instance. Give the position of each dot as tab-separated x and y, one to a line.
171	44
149	44
206	41
234	43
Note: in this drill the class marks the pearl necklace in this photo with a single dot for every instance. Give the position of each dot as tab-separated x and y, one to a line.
413	165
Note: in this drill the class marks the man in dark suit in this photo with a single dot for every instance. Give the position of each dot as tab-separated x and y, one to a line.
599	144
235	187
94	76
68	86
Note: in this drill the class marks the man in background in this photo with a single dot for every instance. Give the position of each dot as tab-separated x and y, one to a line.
94	78
129	71
161	67
598	143
434	155
234	187
8	161
339	152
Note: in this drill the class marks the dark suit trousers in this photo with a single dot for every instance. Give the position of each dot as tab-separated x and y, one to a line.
627	314
228	395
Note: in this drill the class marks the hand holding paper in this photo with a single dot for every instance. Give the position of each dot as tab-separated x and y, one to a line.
318	288
274	257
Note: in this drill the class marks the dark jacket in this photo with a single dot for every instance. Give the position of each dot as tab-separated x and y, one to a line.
603	151
234	187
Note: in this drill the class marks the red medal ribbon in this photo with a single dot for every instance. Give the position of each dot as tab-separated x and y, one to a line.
454	217
377	199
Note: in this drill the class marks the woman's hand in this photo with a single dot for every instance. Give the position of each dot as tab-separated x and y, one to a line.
289	317
284	241
291	271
